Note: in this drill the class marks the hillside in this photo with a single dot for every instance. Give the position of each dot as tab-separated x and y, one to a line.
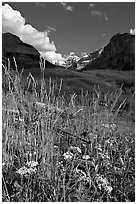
26	56
108	80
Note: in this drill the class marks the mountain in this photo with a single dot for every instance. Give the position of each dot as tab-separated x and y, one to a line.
26	56
88	58
73	82
118	54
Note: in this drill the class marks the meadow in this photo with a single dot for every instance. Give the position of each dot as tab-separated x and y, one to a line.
59	147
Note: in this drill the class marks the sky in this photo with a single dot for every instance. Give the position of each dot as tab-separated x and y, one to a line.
58	29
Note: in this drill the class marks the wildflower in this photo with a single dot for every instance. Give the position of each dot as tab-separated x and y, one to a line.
106	156
105	125
113	126
21	120
55	146
75	149
32	170
68	156
86	157
103	183
87	179
95	136
109	189
32	164
59	163
22	171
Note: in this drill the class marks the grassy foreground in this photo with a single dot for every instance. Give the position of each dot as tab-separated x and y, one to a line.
63	150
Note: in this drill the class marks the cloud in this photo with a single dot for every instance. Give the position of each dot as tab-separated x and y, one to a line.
50	29
13	22
66	6
97	13
91	5
103	35
40	4
53	57
132	31
100	14
69	8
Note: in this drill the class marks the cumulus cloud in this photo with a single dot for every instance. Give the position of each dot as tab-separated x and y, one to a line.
132	31
13	22
66	6
100	14
52	56
97	12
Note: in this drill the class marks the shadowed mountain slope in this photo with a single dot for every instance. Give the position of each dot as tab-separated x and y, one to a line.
118	54
26	56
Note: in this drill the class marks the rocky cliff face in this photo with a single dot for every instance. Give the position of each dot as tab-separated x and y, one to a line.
88	58
119	54
91	56
26	56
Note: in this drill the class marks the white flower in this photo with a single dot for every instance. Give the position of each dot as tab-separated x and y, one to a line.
103	182
86	157
108	189
105	125
95	136
56	147
32	170
113	126
68	155
88	179
22	171
32	164
75	149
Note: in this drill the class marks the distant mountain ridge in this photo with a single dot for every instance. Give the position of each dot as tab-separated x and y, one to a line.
26	56
88	58
118	54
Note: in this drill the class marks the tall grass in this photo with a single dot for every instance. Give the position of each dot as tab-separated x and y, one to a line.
55	149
